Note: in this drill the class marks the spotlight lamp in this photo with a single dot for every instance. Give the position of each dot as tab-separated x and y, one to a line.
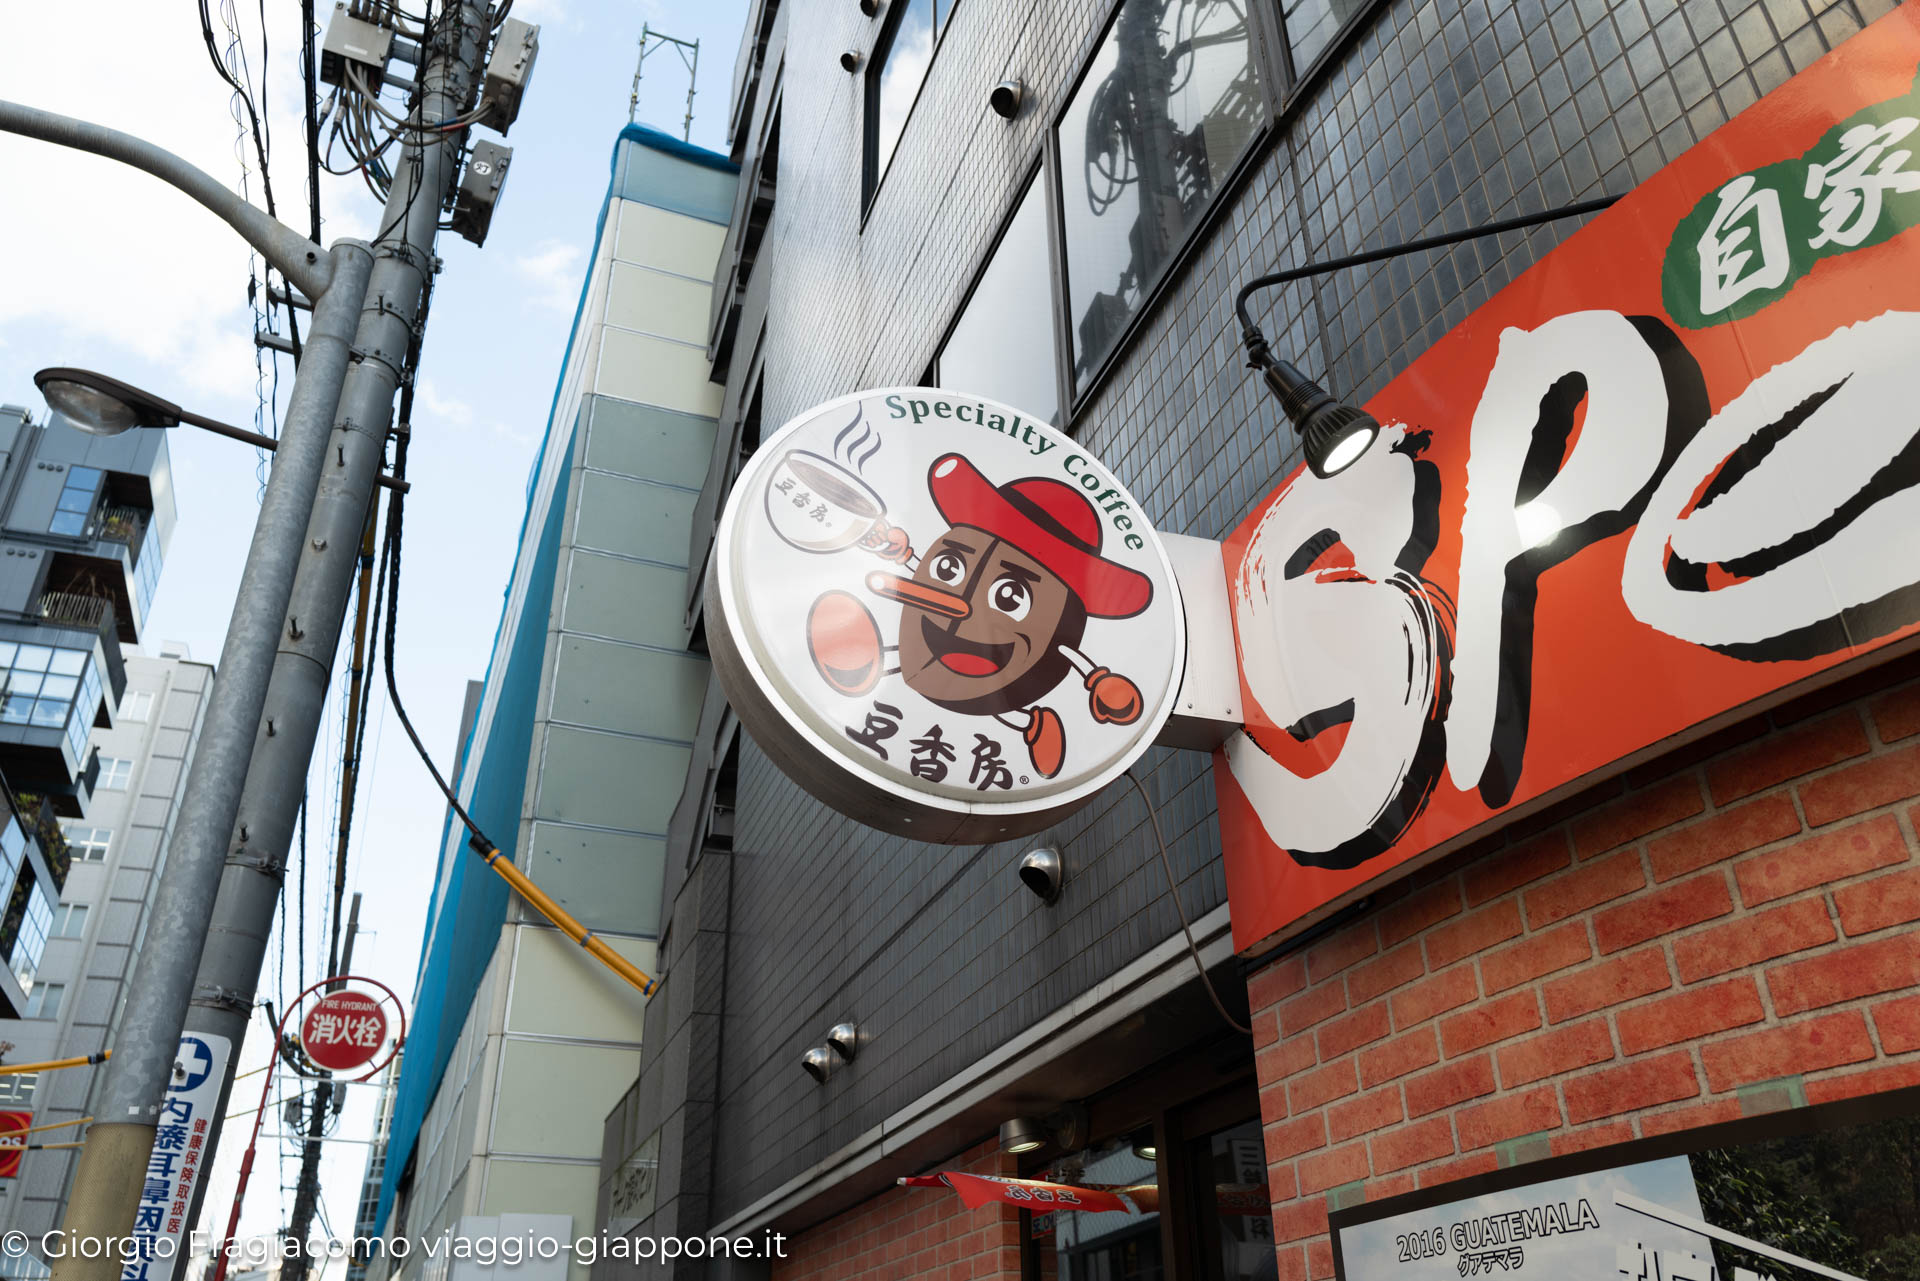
1065	1126
1006	97
817	1062
1022	1134
1044	872
870	7
844	1040
850	61
1144	1147
1333	434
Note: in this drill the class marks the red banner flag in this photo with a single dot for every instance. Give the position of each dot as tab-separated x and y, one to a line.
977	1190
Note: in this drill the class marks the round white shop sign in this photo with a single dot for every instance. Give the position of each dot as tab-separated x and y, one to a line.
940	616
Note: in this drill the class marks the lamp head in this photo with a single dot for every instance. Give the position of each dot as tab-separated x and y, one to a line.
817	1062
1333	434
103	406
1022	1134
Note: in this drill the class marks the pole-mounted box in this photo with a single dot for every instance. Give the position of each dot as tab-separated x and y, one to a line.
357	44
508	71
479	191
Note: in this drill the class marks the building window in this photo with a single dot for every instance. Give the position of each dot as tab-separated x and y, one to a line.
69	920
30	943
44	1001
75	504
893	80
1168	106
88	844
1312	24
40	683
115	773
138	707
18	1090
1002	347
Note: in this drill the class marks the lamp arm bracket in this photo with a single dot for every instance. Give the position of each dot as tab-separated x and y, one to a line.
301	261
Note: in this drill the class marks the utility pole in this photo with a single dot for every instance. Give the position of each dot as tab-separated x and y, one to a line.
306	1197
224	989
112	1169
265	712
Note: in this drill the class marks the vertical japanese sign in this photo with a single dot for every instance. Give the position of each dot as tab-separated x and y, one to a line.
180	1137
1671	472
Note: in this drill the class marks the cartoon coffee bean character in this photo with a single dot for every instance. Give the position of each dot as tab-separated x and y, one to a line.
996	610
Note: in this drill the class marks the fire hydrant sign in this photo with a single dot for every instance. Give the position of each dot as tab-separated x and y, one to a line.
941	616
344	1030
181	1135
1668	475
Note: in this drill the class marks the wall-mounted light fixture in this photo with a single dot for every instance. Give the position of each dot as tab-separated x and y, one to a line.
850	61
1144	1147
1007	97
818	1062
1044	872
844	1039
1335	435
870	7
1066	1126
1022	1134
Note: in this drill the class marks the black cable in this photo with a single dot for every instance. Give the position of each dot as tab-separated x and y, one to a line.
396	516
310	74
300	953
1173	892
359	737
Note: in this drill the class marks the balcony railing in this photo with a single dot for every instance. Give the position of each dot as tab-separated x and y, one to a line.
122	525
74	610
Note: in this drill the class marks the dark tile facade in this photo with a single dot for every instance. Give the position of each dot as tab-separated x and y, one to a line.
1432	115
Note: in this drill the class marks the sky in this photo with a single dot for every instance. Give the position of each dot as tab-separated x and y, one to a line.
105	268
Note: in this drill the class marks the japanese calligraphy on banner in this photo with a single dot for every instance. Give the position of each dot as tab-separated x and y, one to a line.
180	1138
1672	472
977	1190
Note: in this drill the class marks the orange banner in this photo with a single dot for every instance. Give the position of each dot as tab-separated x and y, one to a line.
1669	474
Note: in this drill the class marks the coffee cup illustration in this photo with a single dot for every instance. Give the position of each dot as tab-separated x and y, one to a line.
817	505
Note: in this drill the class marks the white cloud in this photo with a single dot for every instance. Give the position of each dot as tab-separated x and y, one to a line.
104	259
552	270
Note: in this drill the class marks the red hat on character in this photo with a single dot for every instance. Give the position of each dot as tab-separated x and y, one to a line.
1050	521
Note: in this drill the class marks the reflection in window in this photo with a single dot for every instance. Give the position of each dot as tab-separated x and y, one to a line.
39	686
1311	25
115	772
75	504
1168	105
1234	1227
1002	345
29	918
898	70
88	844
44	1001
69	921
1109	1245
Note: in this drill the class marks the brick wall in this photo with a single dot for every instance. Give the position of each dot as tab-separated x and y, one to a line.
913	1232
1721	933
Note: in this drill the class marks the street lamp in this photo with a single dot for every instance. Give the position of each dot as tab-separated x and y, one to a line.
103	406
104	1197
